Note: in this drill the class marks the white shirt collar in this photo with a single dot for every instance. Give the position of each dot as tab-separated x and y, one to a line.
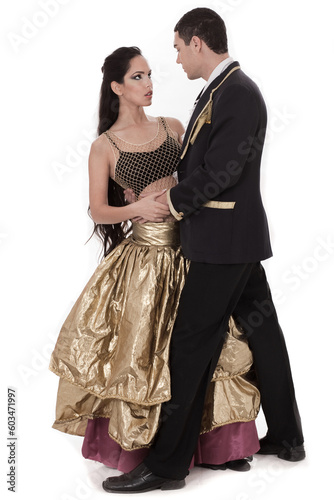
218	70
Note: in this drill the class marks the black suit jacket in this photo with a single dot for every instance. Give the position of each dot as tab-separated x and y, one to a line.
218	196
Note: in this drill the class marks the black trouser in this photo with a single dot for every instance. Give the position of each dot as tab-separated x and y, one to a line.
213	293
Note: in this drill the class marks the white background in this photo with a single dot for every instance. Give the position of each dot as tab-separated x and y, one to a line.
51	53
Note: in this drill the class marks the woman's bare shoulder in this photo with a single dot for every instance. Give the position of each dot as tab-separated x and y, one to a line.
176	126
100	145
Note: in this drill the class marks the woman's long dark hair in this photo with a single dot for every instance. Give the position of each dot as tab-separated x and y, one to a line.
114	69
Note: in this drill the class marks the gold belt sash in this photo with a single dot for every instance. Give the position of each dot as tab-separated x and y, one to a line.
156	233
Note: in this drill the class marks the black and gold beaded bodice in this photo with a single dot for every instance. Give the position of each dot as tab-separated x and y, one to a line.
139	166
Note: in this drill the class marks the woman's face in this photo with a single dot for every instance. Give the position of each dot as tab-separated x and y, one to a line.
137	88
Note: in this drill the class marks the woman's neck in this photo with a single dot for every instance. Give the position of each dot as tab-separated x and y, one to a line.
131	116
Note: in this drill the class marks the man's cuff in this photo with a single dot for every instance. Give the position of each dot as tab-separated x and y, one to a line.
177	215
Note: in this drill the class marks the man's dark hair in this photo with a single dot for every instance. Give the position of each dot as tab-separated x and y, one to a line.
207	25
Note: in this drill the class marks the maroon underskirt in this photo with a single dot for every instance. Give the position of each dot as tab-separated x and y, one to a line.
230	442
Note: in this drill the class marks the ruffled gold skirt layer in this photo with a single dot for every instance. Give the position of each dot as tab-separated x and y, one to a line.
112	351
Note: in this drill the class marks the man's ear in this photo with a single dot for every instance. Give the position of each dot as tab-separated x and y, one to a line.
116	88
196	43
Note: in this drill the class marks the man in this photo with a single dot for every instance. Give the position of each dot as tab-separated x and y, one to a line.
224	233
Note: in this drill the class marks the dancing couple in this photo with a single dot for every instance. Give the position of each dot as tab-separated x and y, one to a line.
161	365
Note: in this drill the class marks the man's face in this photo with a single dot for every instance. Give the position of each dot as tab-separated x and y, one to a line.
188	56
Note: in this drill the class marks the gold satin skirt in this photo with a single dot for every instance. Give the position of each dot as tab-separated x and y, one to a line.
112	351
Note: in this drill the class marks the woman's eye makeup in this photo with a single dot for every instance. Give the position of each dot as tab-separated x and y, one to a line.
139	76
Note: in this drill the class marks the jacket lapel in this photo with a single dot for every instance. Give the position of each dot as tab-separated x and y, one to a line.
202	103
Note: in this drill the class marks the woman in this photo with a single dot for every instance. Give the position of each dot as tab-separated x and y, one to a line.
112	351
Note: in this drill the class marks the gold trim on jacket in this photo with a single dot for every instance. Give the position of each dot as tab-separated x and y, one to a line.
227	205
204	116
177	215
222	205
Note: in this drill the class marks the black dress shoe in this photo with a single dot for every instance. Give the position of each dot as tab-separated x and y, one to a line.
139	480
237	465
283	451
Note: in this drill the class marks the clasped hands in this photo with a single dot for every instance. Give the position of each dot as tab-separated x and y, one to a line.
152	207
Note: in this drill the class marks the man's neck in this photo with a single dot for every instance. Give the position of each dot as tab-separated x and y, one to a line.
212	63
